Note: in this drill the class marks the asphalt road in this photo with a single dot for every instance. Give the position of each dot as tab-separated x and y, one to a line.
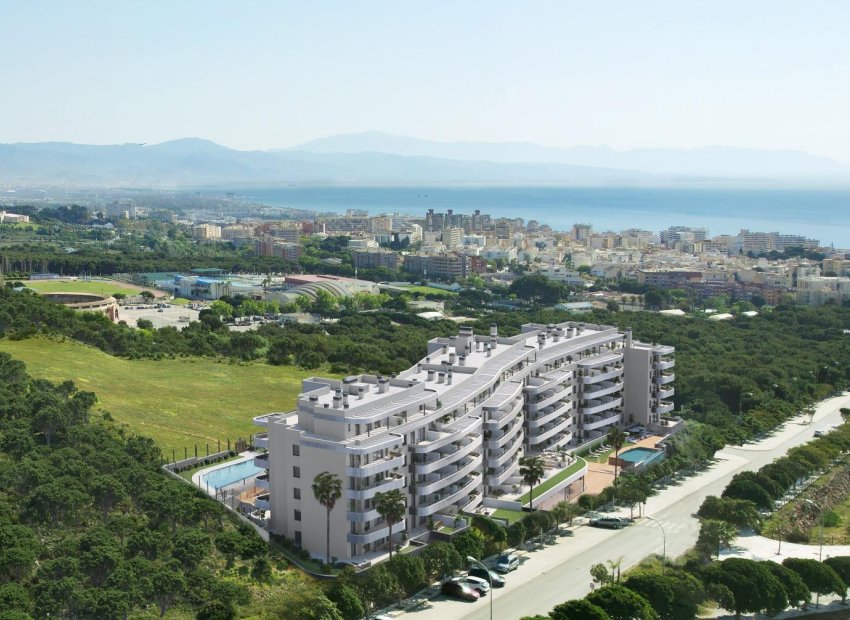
562	571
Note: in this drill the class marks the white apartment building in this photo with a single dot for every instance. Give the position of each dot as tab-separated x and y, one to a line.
449	431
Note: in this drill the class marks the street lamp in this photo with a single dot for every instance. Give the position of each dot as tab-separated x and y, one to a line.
663	540
478	563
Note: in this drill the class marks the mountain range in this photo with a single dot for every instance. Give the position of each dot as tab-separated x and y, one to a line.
374	158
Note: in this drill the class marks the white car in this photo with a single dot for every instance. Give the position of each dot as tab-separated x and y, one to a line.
478	584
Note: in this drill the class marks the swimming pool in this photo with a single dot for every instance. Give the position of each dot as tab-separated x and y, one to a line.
641	456
230	474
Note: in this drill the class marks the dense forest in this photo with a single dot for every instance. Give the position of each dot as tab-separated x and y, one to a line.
90	527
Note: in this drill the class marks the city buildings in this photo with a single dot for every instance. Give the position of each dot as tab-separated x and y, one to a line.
449	431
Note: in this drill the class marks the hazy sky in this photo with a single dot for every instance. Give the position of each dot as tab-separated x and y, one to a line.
772	74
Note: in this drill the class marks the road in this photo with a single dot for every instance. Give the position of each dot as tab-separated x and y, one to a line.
562	571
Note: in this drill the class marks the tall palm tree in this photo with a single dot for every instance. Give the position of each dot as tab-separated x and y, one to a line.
327	488
391	506
616	438
532	471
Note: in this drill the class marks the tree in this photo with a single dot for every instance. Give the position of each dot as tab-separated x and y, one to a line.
298	600
391	506
168	583
715	534
410	572
579	609
599	573
107	491
440	559
754	588
616	438
675	595
147	296
795	588
819	577
841	565
621	603
216	610
739	512
532	471
327	489
347	600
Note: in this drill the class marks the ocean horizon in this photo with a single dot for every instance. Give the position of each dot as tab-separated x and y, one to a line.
822	214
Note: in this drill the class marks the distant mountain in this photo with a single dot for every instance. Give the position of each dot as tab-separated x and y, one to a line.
710	161
194	162
374	158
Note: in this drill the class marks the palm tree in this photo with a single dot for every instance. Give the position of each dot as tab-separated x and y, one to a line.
391	506
616	438
716	534
532	471
327	488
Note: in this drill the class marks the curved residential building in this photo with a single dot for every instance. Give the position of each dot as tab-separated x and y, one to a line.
449	432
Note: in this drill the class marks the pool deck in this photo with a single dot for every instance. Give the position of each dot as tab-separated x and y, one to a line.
196	477
599	476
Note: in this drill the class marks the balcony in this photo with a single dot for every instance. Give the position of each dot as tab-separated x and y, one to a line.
592	423
391	461
376	534
664	393
444	458
436	505
501	477
546	417
595	406
589	379
262	461
513	430
497	458
262	482
498	417
390	483
603	389
448	478
448	434
365	516
261	441
665	406
665	378
549	399
263	502
549	432
664	364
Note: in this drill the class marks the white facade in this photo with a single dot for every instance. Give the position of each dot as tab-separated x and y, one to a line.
451	430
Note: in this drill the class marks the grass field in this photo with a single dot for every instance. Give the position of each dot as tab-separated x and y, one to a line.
429	290
176	402
98	287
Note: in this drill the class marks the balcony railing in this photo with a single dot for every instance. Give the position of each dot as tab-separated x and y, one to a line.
588	379
550	432
390	483
501	440
262	482
447	480
665	378
433	507
391	461
665	406
562	410
594	407
440	462
591	423
549	400
376	534
261	461
665	393
665	364
261	441
497	458
602	389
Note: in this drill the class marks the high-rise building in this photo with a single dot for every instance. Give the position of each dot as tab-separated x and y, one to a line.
449	432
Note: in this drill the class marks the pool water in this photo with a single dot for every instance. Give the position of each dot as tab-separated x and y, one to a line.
230	474
641	455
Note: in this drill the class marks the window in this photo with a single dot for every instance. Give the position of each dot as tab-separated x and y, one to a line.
296	450
296	493
296	472
297	515
298	538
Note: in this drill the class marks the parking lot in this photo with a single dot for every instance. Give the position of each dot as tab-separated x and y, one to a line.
173	316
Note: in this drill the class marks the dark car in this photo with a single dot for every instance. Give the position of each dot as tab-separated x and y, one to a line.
614	523
496	580
459	590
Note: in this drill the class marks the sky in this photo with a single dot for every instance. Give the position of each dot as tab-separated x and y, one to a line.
257	75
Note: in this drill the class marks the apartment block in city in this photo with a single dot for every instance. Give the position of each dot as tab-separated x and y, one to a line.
449	431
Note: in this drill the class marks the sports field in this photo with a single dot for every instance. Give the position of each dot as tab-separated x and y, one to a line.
98	287
176	402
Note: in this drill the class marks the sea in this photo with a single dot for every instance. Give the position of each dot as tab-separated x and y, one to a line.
822	214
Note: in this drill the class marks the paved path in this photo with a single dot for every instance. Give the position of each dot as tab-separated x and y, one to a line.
561	571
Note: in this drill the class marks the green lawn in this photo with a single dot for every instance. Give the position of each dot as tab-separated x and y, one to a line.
429	290
179	403
511	516
548	484
603	458
98	287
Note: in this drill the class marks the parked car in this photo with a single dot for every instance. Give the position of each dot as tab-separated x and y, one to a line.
819	433
456	589
506	563
497	580
476	583
613	523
